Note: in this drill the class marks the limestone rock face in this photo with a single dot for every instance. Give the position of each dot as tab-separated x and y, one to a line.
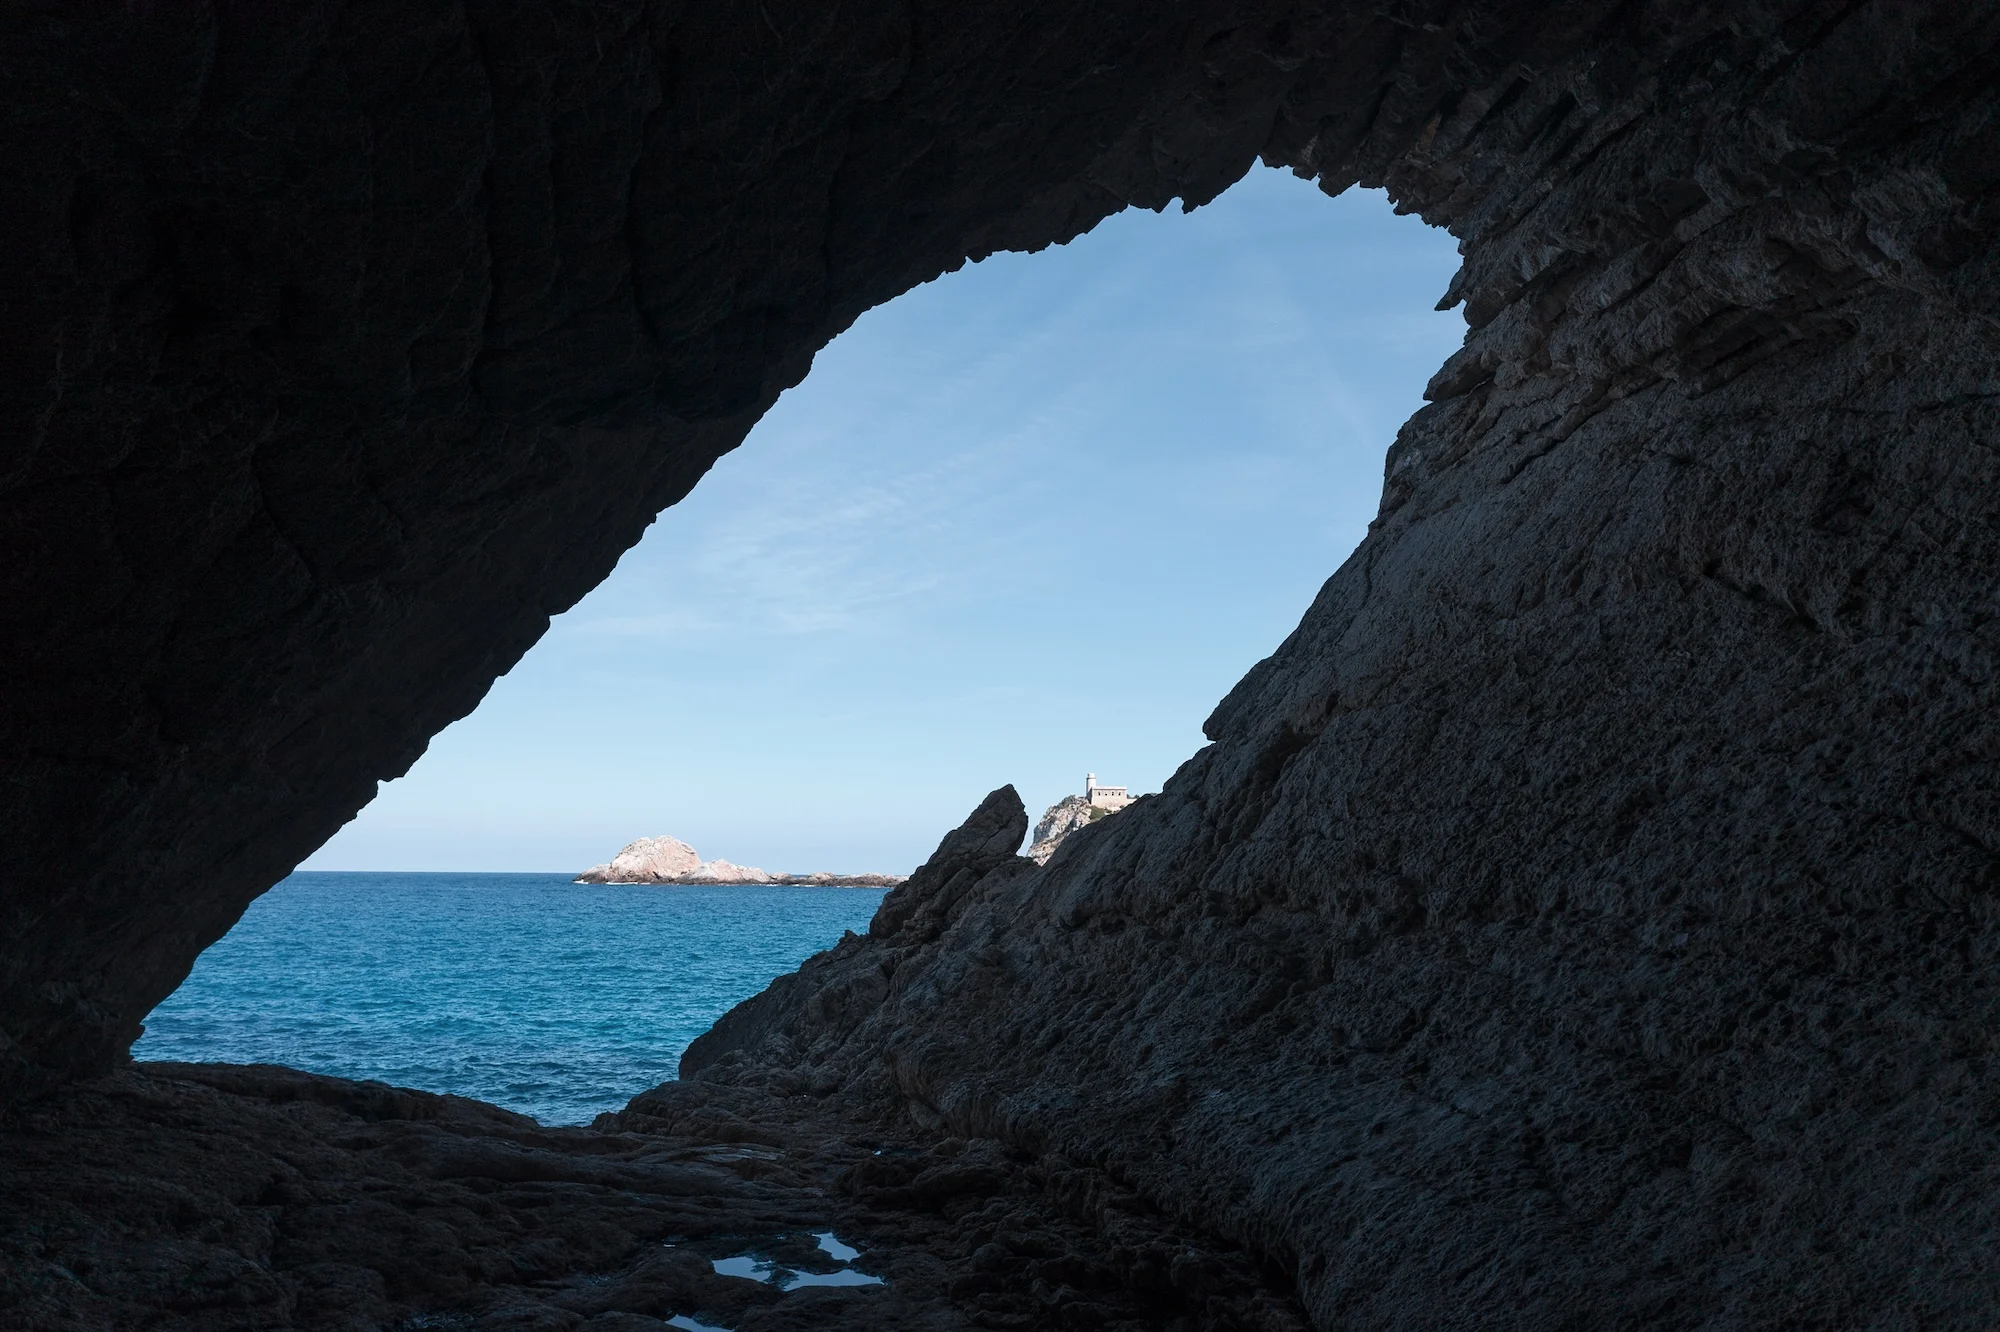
1058	822
648	860
670	860
722	871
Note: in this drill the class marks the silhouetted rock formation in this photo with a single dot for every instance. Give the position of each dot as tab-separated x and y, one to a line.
256	1198
1585	916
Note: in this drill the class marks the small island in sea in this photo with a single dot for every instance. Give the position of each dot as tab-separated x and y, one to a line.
670	860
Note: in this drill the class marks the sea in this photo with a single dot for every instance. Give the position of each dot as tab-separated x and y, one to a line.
560	1000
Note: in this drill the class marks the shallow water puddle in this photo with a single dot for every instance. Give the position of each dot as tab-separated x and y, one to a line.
846	1276
687	1324
745	1266
750	1267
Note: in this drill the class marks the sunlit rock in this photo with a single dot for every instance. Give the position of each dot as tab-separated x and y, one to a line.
670	860
722	871
648	860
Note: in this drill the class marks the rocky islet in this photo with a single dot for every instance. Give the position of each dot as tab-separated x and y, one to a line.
670	860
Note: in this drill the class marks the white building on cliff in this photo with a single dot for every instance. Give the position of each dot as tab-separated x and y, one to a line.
1104	797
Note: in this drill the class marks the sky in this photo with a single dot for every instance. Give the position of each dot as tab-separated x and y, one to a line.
1032	519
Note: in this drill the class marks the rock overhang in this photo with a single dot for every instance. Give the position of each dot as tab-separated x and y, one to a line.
350	344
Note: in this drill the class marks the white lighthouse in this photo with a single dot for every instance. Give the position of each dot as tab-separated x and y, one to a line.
1103	797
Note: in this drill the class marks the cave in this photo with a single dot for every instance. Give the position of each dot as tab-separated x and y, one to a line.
1585	917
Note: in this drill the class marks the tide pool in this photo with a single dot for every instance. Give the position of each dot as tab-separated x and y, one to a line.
556	999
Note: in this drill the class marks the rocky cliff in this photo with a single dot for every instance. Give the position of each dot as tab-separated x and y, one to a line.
1058	822
1584	918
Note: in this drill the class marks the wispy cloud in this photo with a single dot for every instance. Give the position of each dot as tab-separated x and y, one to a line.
1139	452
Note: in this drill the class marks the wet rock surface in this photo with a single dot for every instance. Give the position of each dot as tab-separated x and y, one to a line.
230	1197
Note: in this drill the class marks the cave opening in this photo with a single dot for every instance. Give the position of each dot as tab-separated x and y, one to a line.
1037	515
1584	917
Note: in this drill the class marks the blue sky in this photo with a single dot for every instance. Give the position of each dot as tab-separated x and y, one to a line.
1031	519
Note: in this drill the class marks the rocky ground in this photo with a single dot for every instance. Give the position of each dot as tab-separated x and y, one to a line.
183	1197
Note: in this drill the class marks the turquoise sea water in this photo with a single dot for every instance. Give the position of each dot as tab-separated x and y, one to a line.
556	999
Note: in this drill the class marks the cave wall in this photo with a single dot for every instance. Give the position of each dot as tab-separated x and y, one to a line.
1587	917
1592	900
346	343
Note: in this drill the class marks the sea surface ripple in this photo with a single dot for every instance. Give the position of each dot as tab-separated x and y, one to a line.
556	999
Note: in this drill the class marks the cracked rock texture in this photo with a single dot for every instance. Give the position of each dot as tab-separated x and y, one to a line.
1585	918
